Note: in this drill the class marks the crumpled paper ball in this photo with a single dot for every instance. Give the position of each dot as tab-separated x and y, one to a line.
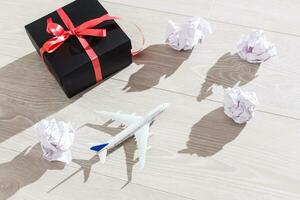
238	105
56	138
254	47
187	35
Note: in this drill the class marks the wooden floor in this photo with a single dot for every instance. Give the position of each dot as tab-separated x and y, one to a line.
197	152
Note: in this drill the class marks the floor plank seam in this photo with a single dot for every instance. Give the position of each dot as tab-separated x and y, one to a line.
215	101
11	56
112	177
207	18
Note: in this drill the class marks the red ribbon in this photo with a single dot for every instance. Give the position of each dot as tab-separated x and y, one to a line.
85	29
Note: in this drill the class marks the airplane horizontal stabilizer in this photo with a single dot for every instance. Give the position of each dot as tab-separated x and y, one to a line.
120	118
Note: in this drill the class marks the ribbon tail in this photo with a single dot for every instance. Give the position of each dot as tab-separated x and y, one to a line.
93	57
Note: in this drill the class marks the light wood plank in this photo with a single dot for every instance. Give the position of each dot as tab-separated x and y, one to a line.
272	15
275	15
196	152
180	7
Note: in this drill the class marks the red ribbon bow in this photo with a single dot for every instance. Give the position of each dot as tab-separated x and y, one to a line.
85	29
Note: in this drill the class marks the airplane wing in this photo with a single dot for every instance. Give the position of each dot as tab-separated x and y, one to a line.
141	137
121	118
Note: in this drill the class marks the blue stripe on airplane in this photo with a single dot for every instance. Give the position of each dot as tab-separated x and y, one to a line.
98	148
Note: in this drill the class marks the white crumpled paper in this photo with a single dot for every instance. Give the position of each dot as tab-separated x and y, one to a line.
187	35
56	139
238	105
254	47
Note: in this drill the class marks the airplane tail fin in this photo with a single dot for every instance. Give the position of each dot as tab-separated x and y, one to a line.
103	155
103	152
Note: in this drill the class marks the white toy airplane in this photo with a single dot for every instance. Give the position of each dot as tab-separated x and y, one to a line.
136	125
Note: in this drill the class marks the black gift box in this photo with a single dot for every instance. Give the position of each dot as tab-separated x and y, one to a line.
70	64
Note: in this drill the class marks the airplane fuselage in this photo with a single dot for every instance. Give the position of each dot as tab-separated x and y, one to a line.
131	129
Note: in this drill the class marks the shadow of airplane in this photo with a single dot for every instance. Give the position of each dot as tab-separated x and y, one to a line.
129	146
86	165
